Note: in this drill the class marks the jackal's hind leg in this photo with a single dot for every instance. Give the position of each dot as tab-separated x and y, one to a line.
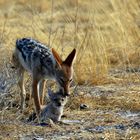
21	72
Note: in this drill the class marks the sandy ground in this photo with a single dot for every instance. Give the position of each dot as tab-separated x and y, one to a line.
109	115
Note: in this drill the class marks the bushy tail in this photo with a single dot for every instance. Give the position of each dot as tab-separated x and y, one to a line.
14	58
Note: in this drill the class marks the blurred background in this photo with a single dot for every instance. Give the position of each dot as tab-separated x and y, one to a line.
106	34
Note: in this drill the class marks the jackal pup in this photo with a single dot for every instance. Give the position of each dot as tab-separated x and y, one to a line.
54	110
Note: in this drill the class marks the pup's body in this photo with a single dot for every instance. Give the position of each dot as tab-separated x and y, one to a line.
54	110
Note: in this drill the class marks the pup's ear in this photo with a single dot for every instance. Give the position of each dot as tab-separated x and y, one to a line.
61	92
50	93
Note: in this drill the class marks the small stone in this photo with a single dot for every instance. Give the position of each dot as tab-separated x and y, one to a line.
84	106
136	125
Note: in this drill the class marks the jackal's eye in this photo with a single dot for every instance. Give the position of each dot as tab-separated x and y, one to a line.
70	80
62	100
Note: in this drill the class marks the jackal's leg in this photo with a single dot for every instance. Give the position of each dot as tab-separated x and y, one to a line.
22	87
35	94
42	85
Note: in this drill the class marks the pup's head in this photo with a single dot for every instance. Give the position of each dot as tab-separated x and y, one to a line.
58	99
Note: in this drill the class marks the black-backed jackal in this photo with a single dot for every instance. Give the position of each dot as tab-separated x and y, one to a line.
42	63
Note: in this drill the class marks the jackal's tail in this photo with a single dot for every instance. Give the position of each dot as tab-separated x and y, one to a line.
14	58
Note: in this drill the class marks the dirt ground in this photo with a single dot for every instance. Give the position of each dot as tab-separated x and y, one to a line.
111	112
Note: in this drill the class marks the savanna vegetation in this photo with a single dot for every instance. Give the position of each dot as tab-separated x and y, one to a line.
106	34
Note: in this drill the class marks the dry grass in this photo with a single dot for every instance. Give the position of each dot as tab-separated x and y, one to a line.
106	34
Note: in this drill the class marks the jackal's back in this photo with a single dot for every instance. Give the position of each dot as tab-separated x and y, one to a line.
31	53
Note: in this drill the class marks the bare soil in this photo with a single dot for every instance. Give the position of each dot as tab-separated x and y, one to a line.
112	112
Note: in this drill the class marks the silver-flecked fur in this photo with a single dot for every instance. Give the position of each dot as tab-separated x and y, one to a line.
32	53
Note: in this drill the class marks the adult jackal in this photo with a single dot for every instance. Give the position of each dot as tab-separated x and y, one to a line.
42	63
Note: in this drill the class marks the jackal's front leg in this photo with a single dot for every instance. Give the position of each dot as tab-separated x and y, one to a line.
36	95
42	85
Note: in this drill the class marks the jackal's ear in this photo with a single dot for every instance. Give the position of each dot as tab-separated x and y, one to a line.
70	58
57	57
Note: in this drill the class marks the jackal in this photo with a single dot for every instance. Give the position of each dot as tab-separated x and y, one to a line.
42	63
